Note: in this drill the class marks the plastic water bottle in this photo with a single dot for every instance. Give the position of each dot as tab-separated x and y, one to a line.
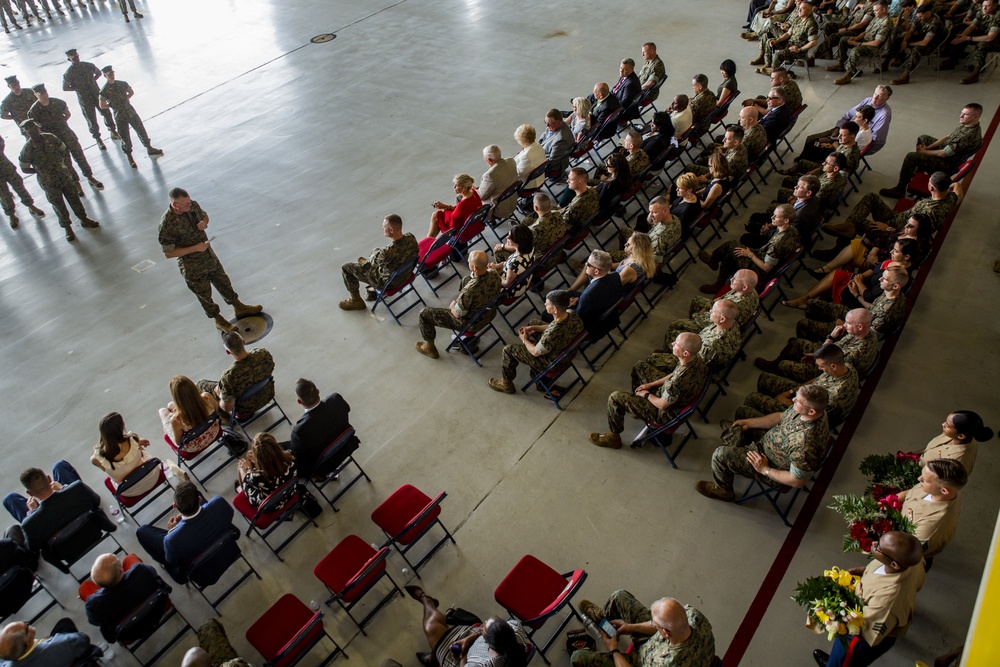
405	571
314	605
591	629
116	513
108	651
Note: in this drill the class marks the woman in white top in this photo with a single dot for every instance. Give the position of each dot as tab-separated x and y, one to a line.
863	117
532	154
120	452
579	120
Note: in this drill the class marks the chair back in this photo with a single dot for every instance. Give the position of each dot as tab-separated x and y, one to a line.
142	621
78	537
212	563
437	251
16	586
333	449
646	98
303	640
282	500
401	277
511	191
609	128
538	172
256	388
566	357
474	225
964	169
200	437
148	470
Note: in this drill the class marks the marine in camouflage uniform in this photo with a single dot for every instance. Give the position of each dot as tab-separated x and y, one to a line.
800	32
52	118
858	352
243	374
637	161
702	105
755	141
212	638
81	77
793	96
380	265
718	347
983	24
929	27
775	252
652	650
957	146
699	316
874	207
850	57
10	177
662	236
830	188
652	70
116	94
887	315
46	155
735	156
554	339
474	294
792	445
681	387
15	106
843	393
579	212
851	152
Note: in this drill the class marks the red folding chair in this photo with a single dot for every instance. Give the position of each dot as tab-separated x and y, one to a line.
288	631
406	516
352	569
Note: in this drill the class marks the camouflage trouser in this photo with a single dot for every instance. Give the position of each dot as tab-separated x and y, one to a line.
916	54
623	606
58	195
729	263
762	404
90	108
517	353
436	317
76	153
928	164
745	412
356	273
15	181
698	319
123	119
770	384
731	460
201	279
819	320
212	637
790	364
620	402
785	56
857	54
653	368
624	234
980	51
870	206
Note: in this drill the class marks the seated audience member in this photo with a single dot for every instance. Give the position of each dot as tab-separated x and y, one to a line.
779	79
934	504
248	369
832	180
378	267
777	118
120	593
579	120
661	136
879	125
603	291
322	422
502	174
119	452
807	213
961	433
944	154
728	86
681	116
540	343
774	393
628	88
720	343
668	634
556	141
495	643
636	262
263	469
704	102
731	148
981	35
188	410
578	213
214	649
50	505
762	21
887	310
637	158
546	226
754	136
529	157
742	292
652	70
801	35
602	104
518	248
732	256
852	51
719	182
659	400
14	553
616	184
476	291
19	647
781	448
663	229
453	216
189	533
864	118
686	207
920	38
809	162
854	337
888	588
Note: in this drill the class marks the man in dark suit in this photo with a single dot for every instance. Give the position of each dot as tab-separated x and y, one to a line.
120	593
321	423
602	104
51	505
189	533
603	292
628	88
13	554
778	117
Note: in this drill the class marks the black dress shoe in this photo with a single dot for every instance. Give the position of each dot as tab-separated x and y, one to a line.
821	657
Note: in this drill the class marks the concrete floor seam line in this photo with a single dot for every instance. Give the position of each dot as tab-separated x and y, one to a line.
772	580
365	18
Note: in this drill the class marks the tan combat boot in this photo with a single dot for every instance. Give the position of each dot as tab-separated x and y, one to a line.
223	324
501	385
903	79
427	348
243	310
354	303
609	440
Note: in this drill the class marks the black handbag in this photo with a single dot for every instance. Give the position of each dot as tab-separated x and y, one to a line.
459	616
234	442
308	503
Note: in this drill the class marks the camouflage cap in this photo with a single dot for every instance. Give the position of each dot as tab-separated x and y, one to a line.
107	68
39	88
72	53
11	79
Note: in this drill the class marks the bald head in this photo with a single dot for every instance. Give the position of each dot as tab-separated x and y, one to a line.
748	116
107	570
859	322
689	342
197	657
745	281
15	639
903	549
724	313
669	616
478	260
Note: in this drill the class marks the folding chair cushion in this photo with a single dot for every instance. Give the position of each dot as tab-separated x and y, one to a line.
243	506
141	487
197	439
435	258
532	590
402	507
279	625
348	559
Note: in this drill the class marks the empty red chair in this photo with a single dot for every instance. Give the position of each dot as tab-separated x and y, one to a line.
351	570
406	516
287	631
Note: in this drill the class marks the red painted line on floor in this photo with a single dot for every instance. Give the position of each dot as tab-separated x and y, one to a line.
817	494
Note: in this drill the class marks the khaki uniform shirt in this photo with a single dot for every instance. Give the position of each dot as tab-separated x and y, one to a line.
934	522
943	447
889	601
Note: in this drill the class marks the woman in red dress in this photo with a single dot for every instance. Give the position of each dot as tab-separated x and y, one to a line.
446	216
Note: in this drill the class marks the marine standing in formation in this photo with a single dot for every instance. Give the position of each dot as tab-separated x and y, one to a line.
52	115
81	78
115	95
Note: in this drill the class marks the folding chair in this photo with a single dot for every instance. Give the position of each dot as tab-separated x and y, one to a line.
627	301
261	411
142	623
352	569
77	538
470	341
494	222
602	137
546	378
919	185
288	631
277	508
662	435
719	116
332	452
403	276
775	493
646	102
784	135
435	255
17	586
472	230
854	177
773	284
131	505
533	592
609	320
200	445
209	566
406	516
511	297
